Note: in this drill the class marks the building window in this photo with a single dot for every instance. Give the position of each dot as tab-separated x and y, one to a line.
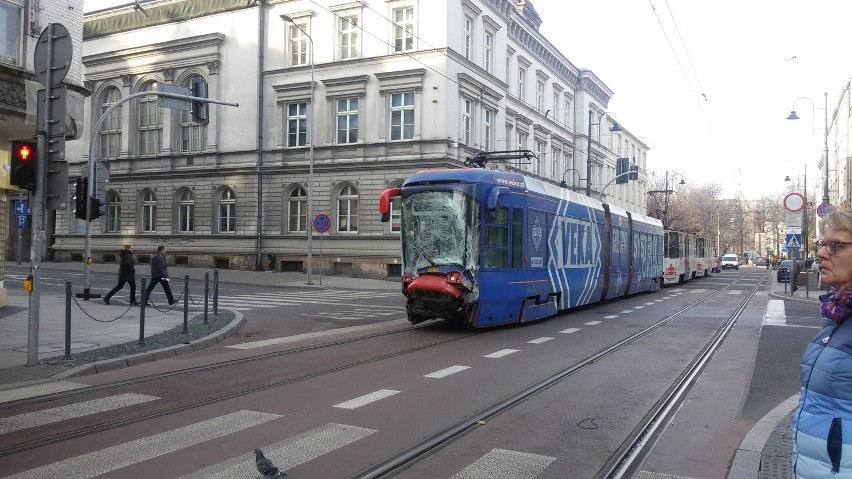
347	120
297	211
539	96
149	212
522	83
113	212
298	44
522	145
347	210
297	124
567	112
509	136
193	137
555	157
508	67
227	211
348	37
467	121
403	32
396	214
541	154
150	122
488	52
488	130
468	37
186	212
402	116
111	127
11	38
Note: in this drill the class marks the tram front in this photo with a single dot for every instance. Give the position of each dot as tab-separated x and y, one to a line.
440	233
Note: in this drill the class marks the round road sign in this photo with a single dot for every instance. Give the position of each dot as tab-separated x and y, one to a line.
57	34
322	223
825	209
794	202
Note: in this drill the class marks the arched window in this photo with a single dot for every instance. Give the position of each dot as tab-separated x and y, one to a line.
111	127
347	210
149	212
113	212
150	122
227	211
186	212
297	211
193	137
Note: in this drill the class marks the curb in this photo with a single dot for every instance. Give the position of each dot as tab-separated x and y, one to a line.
814	300
157	354
746	462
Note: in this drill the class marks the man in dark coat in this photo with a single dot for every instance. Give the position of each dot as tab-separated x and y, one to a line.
160	274
126	274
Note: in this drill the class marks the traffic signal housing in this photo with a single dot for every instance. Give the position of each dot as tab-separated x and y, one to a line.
23	165
200	111
622	170
80	191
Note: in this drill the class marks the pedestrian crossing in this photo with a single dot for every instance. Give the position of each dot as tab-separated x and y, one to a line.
245	302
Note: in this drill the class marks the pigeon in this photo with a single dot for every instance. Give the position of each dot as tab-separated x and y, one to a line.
266	467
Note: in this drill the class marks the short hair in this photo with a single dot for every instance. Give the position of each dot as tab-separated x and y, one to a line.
160	248
839	220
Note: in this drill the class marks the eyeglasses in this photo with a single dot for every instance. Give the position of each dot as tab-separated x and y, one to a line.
831	246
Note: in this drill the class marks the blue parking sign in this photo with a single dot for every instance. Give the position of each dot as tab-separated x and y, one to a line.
22	222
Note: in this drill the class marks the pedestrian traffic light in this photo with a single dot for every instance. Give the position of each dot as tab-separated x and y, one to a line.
23	166
80	190
199	108
95	208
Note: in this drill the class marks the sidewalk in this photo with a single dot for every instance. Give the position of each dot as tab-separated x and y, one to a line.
766	450
105	337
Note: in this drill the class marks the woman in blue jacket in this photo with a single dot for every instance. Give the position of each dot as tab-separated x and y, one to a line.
822	426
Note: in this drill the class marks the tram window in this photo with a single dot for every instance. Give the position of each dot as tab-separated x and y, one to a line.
672	245
517	237
497	238
699	246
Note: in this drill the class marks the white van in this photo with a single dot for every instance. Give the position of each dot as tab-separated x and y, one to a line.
730	261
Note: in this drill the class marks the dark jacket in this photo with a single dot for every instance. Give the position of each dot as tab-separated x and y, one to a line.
158	266
127	266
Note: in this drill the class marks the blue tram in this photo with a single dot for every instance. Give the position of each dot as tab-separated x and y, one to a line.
486	247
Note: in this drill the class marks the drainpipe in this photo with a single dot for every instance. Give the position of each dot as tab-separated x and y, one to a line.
261	47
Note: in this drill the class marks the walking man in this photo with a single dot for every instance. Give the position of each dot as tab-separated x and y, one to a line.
126	274
160	274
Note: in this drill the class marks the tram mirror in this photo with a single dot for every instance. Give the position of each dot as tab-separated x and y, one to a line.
495	195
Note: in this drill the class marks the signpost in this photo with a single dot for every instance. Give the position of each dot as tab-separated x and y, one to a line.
321	223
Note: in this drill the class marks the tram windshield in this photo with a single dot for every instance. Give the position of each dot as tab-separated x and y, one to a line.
440	228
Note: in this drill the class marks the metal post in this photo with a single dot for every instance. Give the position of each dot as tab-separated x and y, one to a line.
215	292
142	312
20	241
185	304
825	198
206	295
67	319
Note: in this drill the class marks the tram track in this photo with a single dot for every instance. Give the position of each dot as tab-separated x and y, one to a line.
629	456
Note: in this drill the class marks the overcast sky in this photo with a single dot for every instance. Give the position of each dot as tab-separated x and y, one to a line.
708	85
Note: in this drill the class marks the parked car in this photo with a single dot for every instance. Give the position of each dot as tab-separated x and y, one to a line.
783	273
760	262
730	261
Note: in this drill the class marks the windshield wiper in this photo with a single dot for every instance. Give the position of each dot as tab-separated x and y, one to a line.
422	253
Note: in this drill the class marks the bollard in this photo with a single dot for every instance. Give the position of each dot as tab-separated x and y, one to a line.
215	292
206	295
185	304
67	319
142	313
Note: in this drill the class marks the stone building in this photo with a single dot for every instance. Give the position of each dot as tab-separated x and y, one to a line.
349	97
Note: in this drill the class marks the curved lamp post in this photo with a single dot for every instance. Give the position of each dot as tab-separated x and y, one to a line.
794	116
615	127
563	184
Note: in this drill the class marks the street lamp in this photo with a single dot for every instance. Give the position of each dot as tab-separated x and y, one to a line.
563	184
666	193
793	116
615	127
309	219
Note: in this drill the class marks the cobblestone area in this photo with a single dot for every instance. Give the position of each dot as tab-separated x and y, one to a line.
775	459
58	364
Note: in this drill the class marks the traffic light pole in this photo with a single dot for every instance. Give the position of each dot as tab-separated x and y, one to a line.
90	191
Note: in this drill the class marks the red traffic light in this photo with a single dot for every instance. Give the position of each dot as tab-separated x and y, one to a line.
23	164
25	152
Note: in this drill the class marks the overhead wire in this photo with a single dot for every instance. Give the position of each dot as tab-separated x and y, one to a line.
674	52
685	49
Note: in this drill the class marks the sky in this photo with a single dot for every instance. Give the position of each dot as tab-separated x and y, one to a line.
708	85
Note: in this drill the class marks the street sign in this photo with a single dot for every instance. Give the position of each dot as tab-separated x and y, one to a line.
322	223
794	202
22	207
174	103
825	209
794	219
22	222
793	230
62	50
794	241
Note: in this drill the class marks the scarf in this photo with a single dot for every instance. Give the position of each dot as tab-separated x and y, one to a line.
837	304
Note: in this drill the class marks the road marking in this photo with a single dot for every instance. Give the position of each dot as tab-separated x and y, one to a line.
317	334
447	371
569	330
649	303
129	453
638	307
288	453
541	340
735	292
698	291
775	314
611	316
501	353
658	300
627	311
505	464
71	411
366	399
35	390
593	323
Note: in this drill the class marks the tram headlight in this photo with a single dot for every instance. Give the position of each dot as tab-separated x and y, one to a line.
454	277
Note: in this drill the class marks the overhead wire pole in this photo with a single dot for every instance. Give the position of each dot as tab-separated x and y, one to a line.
93	158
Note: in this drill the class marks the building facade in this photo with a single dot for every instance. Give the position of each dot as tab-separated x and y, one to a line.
341	100
23	21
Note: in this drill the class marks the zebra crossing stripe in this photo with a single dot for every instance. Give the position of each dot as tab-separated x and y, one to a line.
35	390
331	332
775	314
505	464
501	353
447	371
366	399
540	340
71	411
122	455
289	453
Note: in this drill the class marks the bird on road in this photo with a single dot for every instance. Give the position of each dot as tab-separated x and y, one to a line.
266	467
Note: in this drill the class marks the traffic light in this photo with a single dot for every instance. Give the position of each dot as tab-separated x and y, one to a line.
622	167
80	190
23	171
199	108
95	207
